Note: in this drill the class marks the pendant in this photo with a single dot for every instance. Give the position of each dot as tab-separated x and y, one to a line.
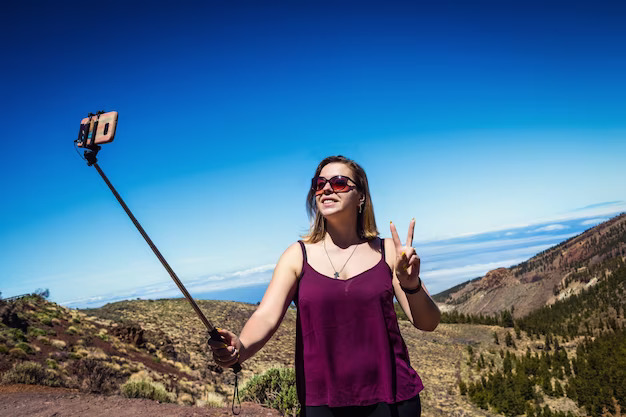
336	275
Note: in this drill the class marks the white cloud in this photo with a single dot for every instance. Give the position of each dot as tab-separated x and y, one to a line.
617	203
594	221
489	244
461	259
255	270
205	284
549	228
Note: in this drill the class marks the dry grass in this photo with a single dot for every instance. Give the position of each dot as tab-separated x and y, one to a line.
437	356
173	353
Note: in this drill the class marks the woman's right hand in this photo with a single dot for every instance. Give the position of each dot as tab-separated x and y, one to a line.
226	353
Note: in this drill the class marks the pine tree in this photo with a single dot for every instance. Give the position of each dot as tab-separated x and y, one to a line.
546	411
508	340
558	389
506	319
546	385
462	388
470	352
506	364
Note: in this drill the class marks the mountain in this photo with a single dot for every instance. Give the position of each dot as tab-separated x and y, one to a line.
554	274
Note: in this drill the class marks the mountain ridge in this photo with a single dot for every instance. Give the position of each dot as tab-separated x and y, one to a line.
551	274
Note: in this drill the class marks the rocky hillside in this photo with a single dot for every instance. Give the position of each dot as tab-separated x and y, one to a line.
553	274
163	351
162	342
172	331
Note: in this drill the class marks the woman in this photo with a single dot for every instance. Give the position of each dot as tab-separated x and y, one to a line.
350	357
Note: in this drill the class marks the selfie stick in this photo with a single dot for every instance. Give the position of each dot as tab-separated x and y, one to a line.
90	154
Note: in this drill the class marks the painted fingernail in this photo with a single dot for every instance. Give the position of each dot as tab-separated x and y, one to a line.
402	254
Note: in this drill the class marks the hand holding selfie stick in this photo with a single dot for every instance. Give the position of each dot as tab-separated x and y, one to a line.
100	128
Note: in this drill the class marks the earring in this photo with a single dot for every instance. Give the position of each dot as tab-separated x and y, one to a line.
361	207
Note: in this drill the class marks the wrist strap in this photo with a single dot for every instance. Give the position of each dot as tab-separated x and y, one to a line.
415	290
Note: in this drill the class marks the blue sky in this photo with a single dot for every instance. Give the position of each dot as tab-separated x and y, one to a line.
477	118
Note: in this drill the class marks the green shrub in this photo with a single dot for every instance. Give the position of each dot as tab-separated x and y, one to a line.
146	389
71	330
105	337
17	335
94	375
275	388
28	373
18	353
59	344
45	319
25	347
43	340
35	331
52	364
4	349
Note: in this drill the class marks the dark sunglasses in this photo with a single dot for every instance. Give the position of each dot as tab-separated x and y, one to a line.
338	183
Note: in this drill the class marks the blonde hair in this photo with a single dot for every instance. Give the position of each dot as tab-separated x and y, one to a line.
365	223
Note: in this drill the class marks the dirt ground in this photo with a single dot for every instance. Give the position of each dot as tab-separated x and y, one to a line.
38	401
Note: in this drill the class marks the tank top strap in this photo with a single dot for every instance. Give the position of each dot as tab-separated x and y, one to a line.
303	250
304	261
382	247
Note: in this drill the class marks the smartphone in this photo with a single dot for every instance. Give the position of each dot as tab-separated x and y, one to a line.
97	129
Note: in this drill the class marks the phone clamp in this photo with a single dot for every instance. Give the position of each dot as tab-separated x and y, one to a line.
90	154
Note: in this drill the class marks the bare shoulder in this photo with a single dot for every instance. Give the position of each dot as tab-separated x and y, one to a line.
292	258
283	285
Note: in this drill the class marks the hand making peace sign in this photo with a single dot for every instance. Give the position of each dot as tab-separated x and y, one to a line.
407	265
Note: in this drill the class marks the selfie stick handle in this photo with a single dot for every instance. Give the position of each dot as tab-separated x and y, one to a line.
212	330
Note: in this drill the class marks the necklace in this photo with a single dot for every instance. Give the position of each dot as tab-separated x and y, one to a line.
344	265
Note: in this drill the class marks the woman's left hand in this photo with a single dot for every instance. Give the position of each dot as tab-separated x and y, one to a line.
407	264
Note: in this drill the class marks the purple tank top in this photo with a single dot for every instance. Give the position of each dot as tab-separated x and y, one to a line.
349	350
